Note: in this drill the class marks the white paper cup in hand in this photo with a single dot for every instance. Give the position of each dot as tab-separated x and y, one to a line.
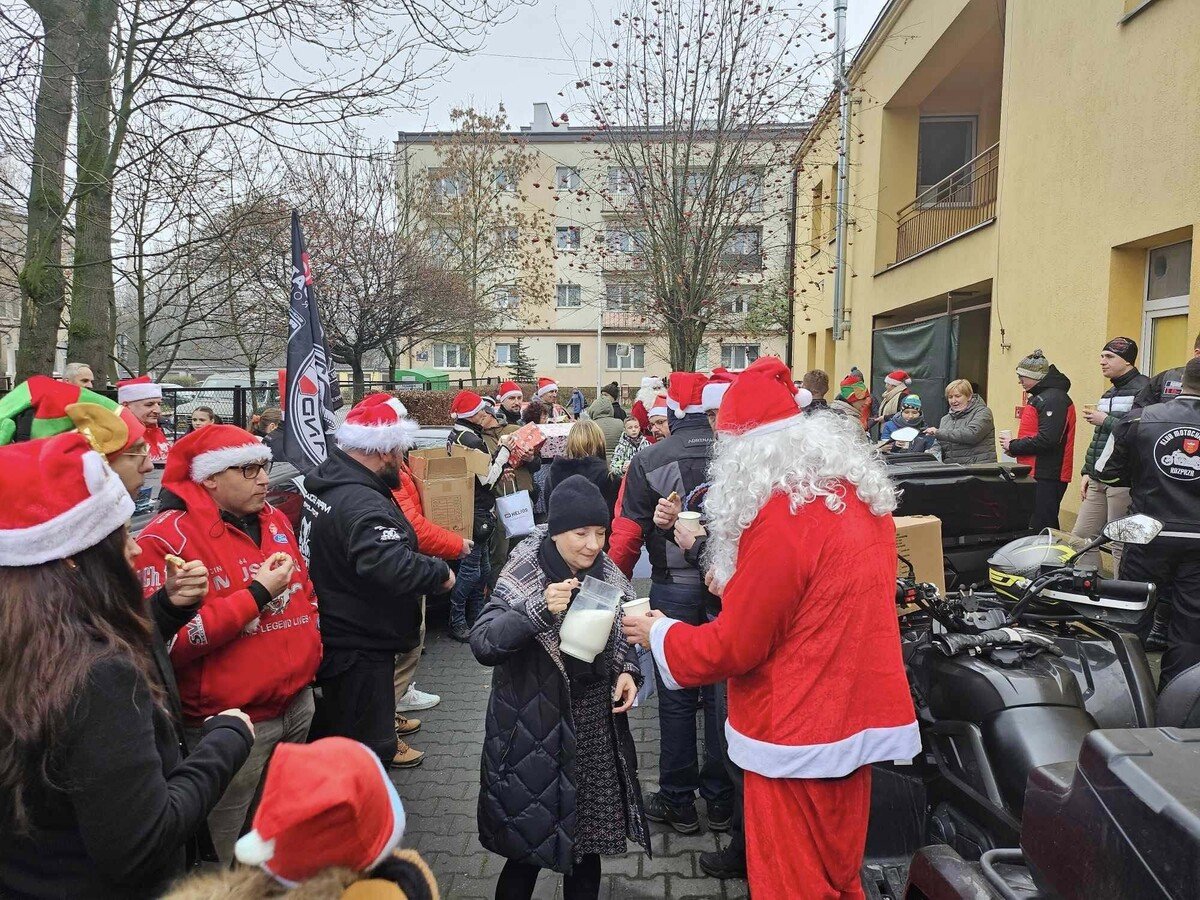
639	607
690	521
1005	435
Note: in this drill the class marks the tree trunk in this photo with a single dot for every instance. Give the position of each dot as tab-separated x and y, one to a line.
42	279
253	369
92	299
359	382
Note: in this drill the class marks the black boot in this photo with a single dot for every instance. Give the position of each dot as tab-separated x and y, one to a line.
727	863
1156	640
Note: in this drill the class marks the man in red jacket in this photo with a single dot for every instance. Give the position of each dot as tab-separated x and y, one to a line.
254	643
807	633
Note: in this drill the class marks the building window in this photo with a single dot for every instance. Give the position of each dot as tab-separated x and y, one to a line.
623	296
944	145
695	184
566	179
737	302
504	181
507	237
620	181
566	237
568	296
818	218
451	356
625	240
1165	341
748	187
568	354
507	298
701	361
745	248
738	356
505	354
446	185
626	356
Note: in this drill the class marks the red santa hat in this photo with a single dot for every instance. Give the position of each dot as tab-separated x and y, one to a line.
658	409
141	388
326	804
685	393
467	404
60	499
897	378
714	392
510	389
208	451
545	386
763	400
378	423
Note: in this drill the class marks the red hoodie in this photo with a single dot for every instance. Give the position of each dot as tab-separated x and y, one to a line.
232	654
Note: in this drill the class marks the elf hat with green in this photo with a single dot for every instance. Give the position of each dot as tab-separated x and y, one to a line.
49	400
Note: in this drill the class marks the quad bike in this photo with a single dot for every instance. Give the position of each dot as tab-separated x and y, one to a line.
1049	768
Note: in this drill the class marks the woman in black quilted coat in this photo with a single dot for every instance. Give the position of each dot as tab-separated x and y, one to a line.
559	785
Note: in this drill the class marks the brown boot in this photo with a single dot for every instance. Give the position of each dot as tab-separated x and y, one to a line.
406	726
406	757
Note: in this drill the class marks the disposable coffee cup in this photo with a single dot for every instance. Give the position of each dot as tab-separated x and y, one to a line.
1006	435
638	607
691	522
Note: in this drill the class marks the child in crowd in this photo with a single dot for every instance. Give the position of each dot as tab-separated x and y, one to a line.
630	443
909	416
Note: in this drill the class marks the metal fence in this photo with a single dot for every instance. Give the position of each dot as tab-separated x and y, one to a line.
964	199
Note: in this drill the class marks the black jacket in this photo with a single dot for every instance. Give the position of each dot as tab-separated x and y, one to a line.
363	559
593	468
466	434
527	771
680	464
129	802
1164	386
1157	453
1053	445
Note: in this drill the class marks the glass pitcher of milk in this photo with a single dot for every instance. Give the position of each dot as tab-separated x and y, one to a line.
588	623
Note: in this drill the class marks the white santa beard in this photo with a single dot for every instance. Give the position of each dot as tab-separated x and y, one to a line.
647	396
813	459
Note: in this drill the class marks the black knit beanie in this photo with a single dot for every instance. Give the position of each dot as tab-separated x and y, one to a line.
612	389
576	503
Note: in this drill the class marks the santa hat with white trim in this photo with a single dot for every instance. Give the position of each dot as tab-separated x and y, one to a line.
378	423
685	393
141	388
714	391
62	498
326	804
545	386
467	404
510	389
209	451
763	400
659	409
898	378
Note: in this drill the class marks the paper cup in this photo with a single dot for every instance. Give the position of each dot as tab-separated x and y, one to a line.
691	522
638	607
1005	435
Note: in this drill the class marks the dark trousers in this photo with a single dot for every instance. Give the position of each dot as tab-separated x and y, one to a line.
679	771
1047	498
470	583
358	699
517	880
737	829
1174	565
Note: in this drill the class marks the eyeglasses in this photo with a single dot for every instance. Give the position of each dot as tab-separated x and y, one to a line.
136	454
250	470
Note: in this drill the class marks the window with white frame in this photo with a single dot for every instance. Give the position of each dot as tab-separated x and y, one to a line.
737	301
506	354
749	186
626	356
568	354
566	237
507	237
451	356
695	184
1165	336
620	181
625	240
567	178
504	181
738	356
507	298
446	185
568	296
623	296
745	244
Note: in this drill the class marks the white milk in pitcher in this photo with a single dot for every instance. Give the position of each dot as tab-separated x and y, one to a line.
584	632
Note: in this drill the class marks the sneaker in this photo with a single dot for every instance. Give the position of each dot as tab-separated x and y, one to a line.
460	633
683	819
406	757
720	816
406	726
726	863
415	701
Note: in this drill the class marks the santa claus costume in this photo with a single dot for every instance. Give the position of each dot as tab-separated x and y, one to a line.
807	634
650	392
132	390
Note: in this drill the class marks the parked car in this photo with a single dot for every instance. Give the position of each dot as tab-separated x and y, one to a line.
217	393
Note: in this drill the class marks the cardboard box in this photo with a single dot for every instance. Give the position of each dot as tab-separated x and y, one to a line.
447	489
477	462
919	540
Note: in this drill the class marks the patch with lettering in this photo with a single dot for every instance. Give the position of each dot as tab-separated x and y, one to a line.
1177	453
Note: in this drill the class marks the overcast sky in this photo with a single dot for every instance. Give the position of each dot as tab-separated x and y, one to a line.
527	60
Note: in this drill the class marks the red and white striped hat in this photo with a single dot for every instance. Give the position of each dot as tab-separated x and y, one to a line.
60	499
510	389
467	404
209	451
685	393
763	400
545	386
141	388
378	423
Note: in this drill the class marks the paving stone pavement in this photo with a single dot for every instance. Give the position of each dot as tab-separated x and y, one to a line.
440	796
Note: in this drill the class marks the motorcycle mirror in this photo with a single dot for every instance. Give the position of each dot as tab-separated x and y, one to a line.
1136	529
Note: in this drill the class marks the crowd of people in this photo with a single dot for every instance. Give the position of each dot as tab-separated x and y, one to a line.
192	679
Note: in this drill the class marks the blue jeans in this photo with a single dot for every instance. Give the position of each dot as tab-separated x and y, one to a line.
466	600
679	772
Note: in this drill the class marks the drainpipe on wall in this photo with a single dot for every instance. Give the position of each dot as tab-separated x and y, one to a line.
843	183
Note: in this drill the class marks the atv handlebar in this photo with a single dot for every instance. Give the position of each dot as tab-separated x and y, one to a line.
1133	591
954	644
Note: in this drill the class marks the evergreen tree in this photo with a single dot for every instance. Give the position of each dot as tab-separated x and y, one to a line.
523	366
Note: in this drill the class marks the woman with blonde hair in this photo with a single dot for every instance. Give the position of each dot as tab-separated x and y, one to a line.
587	455
967	433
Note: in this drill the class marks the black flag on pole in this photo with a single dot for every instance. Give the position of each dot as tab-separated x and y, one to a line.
310	400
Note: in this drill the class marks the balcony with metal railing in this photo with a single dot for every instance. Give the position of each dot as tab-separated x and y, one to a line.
960	203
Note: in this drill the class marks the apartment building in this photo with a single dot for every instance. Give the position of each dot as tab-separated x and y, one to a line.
587	326
1023	174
